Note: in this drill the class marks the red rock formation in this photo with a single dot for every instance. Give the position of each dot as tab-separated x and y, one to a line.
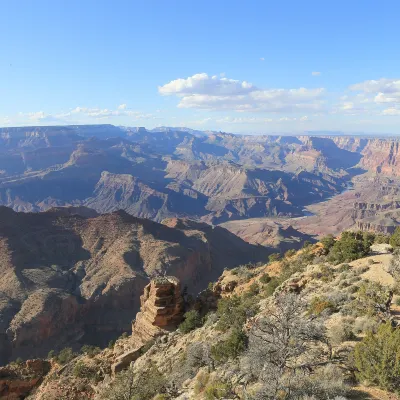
18	380
161	309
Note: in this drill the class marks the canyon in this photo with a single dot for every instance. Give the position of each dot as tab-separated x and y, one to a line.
70	277
213	177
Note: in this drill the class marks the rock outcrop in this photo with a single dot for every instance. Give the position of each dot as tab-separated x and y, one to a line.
161	309
18	380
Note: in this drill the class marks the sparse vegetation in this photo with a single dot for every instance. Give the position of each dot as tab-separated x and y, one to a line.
274	257
192	321
320	304
351	246
90	351
233	311
377	358
232	347
395	238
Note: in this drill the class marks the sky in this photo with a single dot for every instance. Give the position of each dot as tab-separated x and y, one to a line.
235	66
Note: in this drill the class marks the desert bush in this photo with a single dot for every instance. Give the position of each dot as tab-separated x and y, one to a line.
90	351
328	242
282	344
344	268
65	355
201	382
372	299
381	238
111	344
198	355
192	321
364	325
325	383
230	348
234	311
217	390
325	273
394	266
377	358
351	246
397	301
341	331
265	278
320	304
274	257
81	370
395	238
290	253
128	386
270	287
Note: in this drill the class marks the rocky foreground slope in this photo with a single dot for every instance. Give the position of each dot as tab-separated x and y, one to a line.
70	276
306	327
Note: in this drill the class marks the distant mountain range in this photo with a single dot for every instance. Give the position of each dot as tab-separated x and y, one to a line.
167	172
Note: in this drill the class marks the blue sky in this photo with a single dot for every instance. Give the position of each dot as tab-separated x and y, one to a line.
238	66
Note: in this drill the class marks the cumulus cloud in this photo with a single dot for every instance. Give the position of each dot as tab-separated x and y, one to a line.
81	115
202	91
122	107
256	120
207	85
315	73
380	91
391	111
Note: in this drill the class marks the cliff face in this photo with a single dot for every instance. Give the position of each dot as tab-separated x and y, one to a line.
161	309
381	156
17	381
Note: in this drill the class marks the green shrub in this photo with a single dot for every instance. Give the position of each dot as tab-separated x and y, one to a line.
344	268
217	390
51	354
201	382
395	238
111	344
81	370
270	287
328	242
369	295
325	274
377	358
320	304
230	348
65	355
397	302
265	278
254	289
234	311
192	321
351	246
381	238
290	253
125	335
90	351
274	257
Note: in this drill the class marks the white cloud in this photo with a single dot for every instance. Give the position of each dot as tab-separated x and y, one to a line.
122	107
315	73
391	111
213	93
208	85
262	58
383	90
